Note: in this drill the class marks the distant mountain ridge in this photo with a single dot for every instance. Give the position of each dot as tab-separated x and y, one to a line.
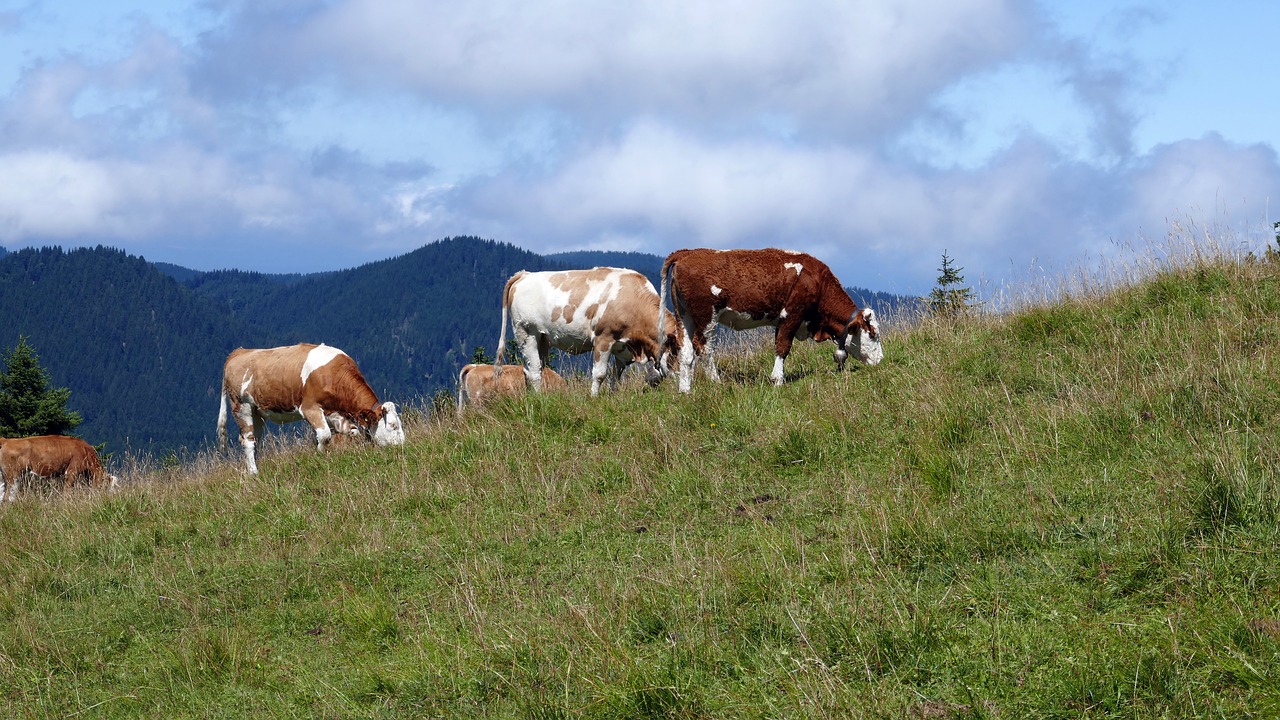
141	344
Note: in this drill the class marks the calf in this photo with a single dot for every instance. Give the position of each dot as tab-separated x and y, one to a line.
609	311
318	383
795	293
50	456
477	384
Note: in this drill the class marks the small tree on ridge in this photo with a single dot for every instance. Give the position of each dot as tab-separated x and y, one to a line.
29	404
951	297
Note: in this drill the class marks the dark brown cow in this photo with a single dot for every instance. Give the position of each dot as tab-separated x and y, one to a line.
49	456
477	384
318	383
742	289
609	311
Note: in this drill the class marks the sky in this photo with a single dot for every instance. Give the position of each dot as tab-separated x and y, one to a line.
309	135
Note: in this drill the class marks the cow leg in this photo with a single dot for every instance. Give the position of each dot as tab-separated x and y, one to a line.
314	415
250	423
688	352
600	365
783	337
535	348
709	348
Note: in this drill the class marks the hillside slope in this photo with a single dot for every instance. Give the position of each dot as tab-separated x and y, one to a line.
1068	512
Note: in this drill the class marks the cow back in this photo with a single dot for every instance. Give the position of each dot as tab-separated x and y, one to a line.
50	456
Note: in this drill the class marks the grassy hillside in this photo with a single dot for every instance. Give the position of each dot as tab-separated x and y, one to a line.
1068	512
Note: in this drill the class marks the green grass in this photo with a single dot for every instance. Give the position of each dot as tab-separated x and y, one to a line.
1067	512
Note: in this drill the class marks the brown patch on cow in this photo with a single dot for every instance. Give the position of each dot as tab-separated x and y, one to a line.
478	384
758	284
629	316
51	456
275	383
577	283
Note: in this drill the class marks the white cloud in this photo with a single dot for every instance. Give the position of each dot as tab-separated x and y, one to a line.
847	69
866	132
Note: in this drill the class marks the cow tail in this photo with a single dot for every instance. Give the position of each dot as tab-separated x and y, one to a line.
507	291
222	419
462	387
664	279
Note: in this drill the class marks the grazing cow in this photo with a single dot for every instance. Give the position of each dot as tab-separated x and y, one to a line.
741	289
49	456
318	383
609	311
477	384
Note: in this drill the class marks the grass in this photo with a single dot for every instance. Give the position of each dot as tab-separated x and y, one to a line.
1069	511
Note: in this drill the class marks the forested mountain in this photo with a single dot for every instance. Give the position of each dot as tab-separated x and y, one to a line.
140	353
141	345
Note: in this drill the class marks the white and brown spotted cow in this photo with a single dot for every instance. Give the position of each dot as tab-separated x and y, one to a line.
49	456
318	383
477	384
742	289
609	311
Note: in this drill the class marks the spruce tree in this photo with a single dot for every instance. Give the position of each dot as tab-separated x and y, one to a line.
951	297
29	404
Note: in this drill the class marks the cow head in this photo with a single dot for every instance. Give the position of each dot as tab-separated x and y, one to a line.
388	430
669	354
864	332
380	424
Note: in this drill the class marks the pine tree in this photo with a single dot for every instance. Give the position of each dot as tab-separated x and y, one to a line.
29	405
951	297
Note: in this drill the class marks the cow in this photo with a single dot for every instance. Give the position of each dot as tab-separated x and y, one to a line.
318	383
741	289
477	384
50	456
609	311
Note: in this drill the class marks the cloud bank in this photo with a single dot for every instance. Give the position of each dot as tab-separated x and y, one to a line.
303	135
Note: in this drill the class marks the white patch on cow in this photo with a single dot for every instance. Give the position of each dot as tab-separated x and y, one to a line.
777	376
782	315
870	351
794	266
389	431
323	434
244	386
319	356
716	290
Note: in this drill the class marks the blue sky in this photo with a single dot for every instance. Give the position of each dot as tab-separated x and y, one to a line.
302	135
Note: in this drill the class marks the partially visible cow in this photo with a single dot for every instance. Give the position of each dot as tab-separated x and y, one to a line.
609	311
50	456
318	383
477	384
742	289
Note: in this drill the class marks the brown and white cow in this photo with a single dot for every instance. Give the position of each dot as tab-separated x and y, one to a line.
742	289
50	456
609	311
318	383
477	384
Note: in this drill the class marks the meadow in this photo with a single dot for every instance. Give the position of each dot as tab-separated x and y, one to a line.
1068	510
